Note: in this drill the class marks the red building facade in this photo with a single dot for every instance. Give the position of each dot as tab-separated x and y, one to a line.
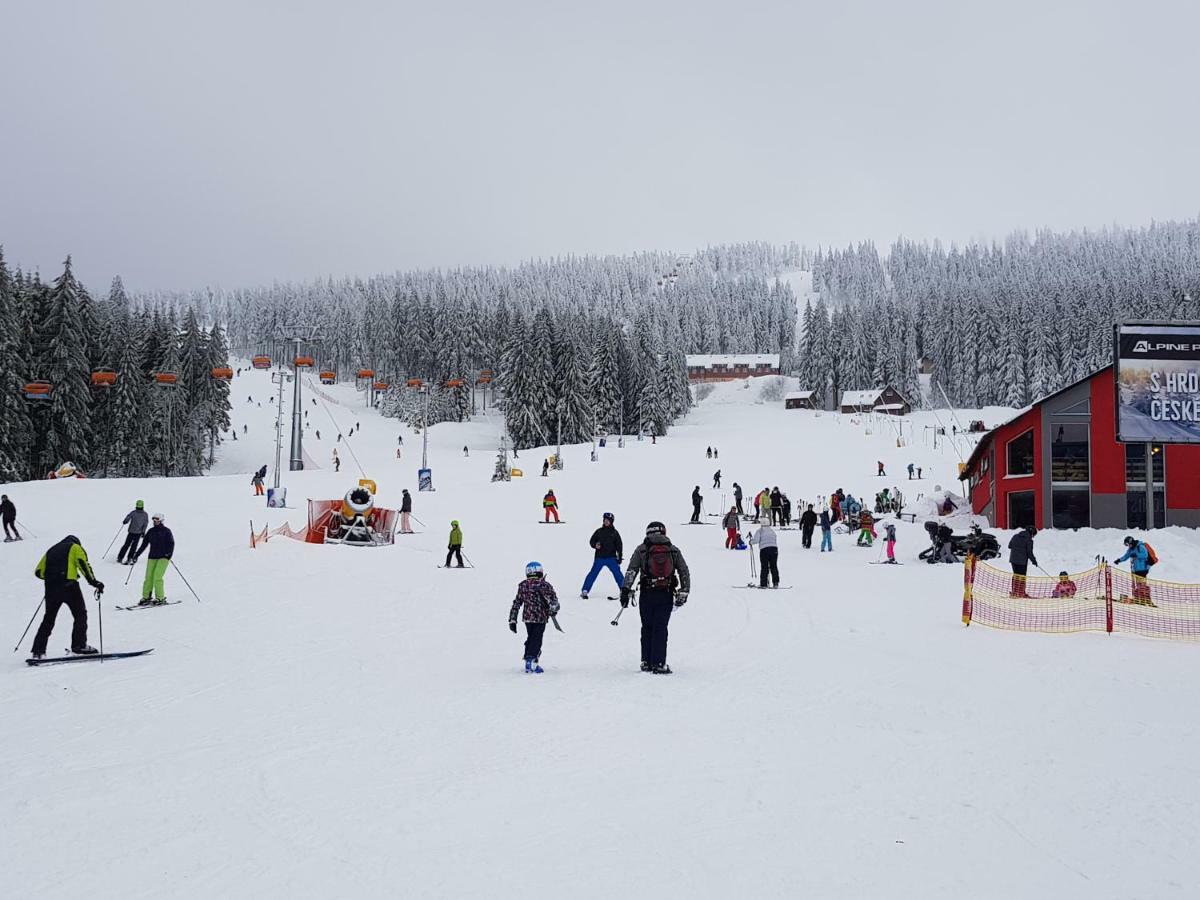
1058	465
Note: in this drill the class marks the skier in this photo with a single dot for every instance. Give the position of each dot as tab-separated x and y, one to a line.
716	453
137	520
710	452
257	481
339	438
881	472
737	498
776	506
610	553
245	429
337	461
1141	557
550	504
757	506
826	531
8	514
785	517
546	467
454	547
161	542
1020	555
866	535
889	535
717	479
768	554
466	452
697	499
910	471
732	523
659	567
60	568
1065	586
400	438
318	434
764	504
537	595
918	473
835	505
405	512
808	521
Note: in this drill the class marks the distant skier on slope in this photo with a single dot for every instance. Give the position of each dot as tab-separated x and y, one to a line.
776	506
659	567
540	603
161	543
889	535
550	505
768	554
717	479
697	499
866	534
610	553
257	481
60	568
8	515
808	521
732	522
737	498
405	512
138	521
785	518
881	473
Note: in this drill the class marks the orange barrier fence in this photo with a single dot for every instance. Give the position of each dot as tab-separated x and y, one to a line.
1104	598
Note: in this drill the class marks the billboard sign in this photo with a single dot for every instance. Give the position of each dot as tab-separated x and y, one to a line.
1158	382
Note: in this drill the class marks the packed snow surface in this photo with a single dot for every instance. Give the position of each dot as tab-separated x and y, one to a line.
340	722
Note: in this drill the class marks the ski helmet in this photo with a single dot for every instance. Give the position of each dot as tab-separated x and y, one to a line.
1031	531
1130	540
534	569
608	517
1063	574
656	528
159	517
141	504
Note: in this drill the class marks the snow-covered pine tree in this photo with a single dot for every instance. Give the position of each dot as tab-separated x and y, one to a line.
64	363
15	426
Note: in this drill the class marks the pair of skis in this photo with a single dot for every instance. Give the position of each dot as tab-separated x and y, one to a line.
57	660
762	587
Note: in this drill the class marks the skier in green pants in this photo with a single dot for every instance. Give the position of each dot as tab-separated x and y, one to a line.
162	546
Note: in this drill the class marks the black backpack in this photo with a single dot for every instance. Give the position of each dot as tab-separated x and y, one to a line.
659	569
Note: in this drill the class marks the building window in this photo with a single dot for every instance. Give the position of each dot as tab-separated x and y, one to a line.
1020	509
1069	453
1135	507
1020	454
1135	465
1072	507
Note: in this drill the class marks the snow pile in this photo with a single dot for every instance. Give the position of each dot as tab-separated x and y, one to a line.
333	721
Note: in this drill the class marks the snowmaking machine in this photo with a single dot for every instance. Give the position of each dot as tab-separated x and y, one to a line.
357	521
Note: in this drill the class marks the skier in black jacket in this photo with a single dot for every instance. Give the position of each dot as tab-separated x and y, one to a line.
737	498
610	553
808	521
60	569
8	514
1020	555
697	499
405	512
660	569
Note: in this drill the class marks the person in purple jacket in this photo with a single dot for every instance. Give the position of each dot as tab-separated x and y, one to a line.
540	601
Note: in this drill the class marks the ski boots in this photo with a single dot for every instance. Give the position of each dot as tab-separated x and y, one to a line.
161	601
145	601
646	667
532	667
583	595
85	650
661	669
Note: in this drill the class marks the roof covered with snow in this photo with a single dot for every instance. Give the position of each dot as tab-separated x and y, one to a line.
861	398
798	395
888	407
708	360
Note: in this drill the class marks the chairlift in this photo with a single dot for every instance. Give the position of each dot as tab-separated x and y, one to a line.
261	362
414	383
222	373
38	390
484	379
366	374
304	362
104	378
381	385
166	379
329	378
454	383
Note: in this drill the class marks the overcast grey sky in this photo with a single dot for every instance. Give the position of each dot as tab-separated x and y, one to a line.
189	143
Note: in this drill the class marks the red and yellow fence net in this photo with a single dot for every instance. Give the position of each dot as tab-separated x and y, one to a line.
1104	598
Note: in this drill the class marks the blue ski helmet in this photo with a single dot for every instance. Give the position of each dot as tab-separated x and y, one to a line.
609	517
534	570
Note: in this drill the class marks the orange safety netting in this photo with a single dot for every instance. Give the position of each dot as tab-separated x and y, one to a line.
383	520
1104	598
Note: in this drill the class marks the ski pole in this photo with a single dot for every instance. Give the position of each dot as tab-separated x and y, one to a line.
113	541
185	581
418	521
30	625
100	617
468	559
618	616
27	528
130	573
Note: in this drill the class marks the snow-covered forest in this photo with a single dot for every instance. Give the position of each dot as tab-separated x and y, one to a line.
1001	323
101	403
595	341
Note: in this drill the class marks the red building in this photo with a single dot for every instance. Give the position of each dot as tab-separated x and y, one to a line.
1058	465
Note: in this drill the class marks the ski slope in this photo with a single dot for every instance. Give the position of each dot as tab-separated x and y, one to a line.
347	722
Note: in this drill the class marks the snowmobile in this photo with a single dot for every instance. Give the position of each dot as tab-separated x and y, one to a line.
983	544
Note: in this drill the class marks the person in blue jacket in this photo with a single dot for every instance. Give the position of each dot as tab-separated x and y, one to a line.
610	552
1139	564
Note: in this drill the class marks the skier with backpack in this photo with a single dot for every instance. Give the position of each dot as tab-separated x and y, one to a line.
697	499
732	523
138	521
610	553
60	568
1141	557
659	568
866	522
257	481
768	554
540	604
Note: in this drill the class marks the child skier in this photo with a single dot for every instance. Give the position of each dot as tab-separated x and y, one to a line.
1065	587
866	537
889	534
732	523
257	481
454	547
537	595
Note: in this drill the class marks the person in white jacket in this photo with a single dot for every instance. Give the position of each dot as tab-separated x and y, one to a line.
768	554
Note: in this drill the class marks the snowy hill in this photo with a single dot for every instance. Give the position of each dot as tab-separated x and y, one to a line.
335	722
